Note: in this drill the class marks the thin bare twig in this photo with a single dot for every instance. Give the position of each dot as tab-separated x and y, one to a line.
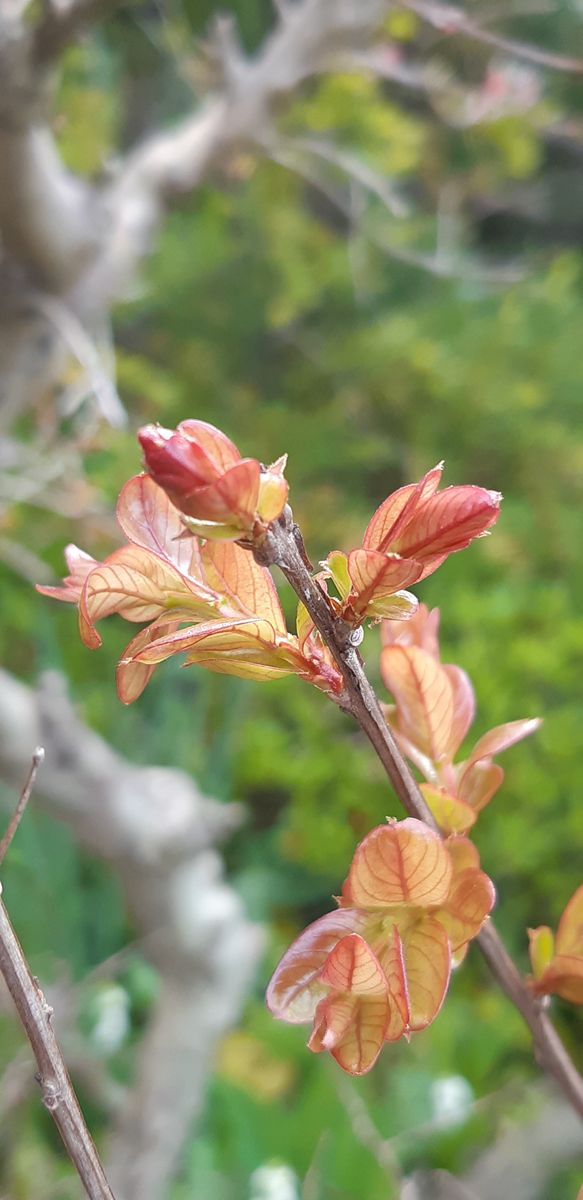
453	21
437	263
282	549
36	1018
99	379
23	800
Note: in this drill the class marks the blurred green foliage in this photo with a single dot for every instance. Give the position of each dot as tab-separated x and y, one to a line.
266	313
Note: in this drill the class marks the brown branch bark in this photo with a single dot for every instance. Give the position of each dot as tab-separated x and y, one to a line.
284	548
56	1087
36	1018
161	837
23	800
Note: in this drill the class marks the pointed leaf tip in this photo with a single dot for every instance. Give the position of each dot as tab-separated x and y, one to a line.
353	967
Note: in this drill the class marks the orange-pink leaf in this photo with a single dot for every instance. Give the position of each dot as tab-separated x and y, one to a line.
245	648
352	1029
564	978
333	1018
404	863
397	510
376	576
423	695
452	814
389	951
463	854
352	966
233	496
215	444
140	587
570	931
422	629
500	738
132	676
464	706
80	565
150	520
479	783
471	898
295	988
427	956
249	588
447	521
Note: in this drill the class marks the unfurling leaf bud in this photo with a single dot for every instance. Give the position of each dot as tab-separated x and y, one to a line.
220	494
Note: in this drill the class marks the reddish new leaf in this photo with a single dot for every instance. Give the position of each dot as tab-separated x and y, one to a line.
424	698
427	956
560	972
570	931
216	490
401	864
479	783
500	738
132	676
394	514
464	707
352	1029
375	577
295	988
249	588
422	630
139	586
471	898
232	499
447	522
215	444
564	978
245	648
352	966
150	520
389	950
333	1018
80	565
463	854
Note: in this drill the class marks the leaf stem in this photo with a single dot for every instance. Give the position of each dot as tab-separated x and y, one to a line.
282	548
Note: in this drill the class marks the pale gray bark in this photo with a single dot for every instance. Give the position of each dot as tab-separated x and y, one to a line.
84	242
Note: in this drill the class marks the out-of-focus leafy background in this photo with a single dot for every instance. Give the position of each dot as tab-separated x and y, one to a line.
282	316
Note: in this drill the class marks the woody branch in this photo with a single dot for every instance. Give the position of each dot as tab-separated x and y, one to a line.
283	547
